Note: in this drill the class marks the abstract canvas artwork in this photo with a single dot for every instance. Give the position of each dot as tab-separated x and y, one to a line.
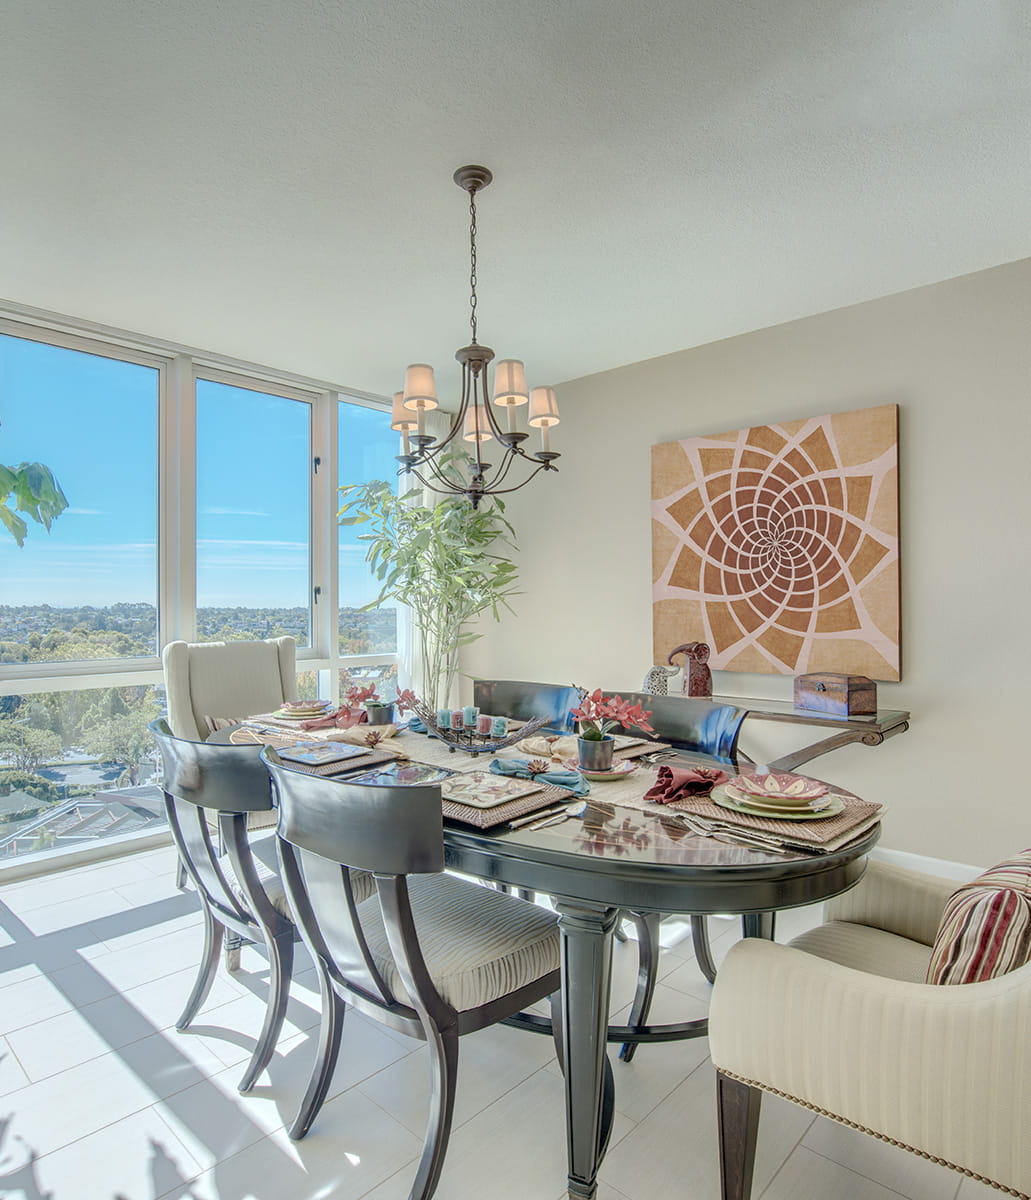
778	545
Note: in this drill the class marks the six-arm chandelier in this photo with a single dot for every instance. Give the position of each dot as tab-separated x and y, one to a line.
428	458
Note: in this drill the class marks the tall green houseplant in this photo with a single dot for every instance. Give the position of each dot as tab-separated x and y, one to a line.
444	562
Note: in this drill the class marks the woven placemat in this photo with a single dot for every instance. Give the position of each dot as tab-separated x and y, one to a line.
487	818
568	748
251	737
826	833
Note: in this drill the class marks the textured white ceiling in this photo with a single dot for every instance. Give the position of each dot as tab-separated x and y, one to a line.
271	179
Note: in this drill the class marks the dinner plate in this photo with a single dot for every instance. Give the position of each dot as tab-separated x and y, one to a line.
771	805
285	714
720	797
620	770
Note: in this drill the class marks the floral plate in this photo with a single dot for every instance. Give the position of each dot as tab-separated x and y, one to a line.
721	796
620	770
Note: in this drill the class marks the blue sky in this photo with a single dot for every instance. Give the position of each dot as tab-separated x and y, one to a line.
94	422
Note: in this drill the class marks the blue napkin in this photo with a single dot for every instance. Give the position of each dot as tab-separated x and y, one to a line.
416	726
573	781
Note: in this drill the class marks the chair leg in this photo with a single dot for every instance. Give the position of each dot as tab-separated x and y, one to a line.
737	1109
702	949
213	931
234	944
443	1045
281	960
330	1031
647	971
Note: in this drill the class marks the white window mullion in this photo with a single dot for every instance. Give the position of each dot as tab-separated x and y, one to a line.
323	527
177	606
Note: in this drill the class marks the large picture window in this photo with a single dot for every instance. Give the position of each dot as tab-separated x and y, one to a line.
202	502
88	590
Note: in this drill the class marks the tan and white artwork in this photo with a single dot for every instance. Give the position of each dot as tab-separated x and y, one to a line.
778	546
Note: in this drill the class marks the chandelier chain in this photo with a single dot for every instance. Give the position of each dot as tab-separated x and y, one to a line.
472	262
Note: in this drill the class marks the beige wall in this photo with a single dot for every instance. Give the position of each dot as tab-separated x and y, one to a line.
956	358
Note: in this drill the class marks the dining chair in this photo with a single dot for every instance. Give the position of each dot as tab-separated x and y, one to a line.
429	955
842	1021
686	723
208	685
206	784
211	683
524	700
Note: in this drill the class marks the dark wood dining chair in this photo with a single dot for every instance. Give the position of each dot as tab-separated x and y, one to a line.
430	955
524	700
210	791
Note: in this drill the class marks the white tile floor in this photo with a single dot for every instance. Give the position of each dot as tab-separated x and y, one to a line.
101	1099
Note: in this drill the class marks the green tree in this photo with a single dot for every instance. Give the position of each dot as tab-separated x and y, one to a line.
124	739
34	491
28	748
15	780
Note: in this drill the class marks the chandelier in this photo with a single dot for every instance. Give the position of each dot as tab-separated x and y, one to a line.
429	459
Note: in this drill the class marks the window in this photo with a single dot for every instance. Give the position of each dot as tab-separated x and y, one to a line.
367	447
88	590
202	506
253	514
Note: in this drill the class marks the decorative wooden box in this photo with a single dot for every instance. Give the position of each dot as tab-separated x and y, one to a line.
843	695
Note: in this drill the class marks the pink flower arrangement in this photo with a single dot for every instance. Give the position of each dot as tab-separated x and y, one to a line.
406	701
598	714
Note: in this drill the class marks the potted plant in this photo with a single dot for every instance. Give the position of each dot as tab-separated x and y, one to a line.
598	714
440	560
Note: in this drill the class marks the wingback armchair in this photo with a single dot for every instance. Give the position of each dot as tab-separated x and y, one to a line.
842	1022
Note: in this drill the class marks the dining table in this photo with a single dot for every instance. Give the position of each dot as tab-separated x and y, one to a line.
607	859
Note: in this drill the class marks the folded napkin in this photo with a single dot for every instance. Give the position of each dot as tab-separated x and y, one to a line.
416	726
677	783
343	718
549	746
521	768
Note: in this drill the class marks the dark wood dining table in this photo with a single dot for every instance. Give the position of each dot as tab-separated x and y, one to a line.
610	859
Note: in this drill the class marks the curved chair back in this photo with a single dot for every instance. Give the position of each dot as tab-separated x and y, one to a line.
204	781
526	700
329	829
226	680
688	723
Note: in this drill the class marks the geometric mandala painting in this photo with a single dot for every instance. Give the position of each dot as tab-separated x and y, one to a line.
779	546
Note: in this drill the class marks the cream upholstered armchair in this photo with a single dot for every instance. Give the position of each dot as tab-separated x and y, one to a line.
220	680
207	683
842	1022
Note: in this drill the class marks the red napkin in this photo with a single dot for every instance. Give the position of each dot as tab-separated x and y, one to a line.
343	718
677	783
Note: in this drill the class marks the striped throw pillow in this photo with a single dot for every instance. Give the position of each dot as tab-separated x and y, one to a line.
985	929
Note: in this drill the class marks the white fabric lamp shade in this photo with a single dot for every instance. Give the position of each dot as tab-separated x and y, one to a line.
420	390
402	419
510	382
477	428
543	408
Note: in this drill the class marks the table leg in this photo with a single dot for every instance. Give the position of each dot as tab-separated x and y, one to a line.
762	925
586	976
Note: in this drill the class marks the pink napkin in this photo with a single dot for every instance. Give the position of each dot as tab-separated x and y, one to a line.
343	718
677	783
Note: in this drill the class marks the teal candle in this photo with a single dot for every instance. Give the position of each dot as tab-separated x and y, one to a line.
469	715
499	727
443	718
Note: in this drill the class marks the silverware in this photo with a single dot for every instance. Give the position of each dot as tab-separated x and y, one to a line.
552	810
743	838
576	809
